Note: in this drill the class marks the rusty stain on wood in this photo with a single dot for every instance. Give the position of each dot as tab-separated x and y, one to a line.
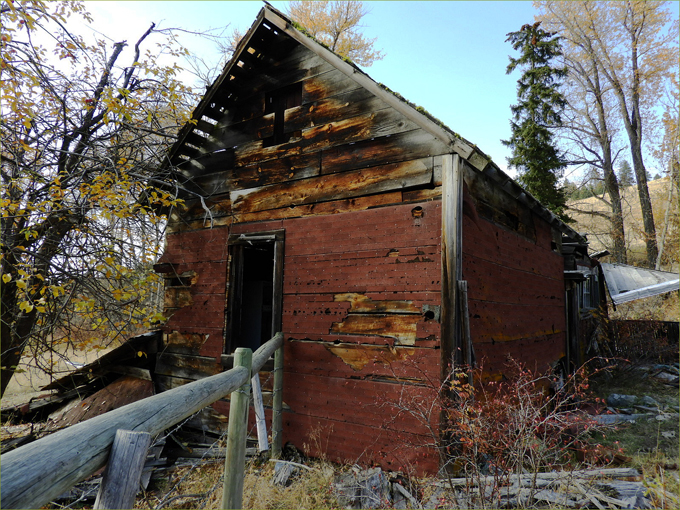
193	341
177	297
336	186
400	327
322	208
363	304
358	356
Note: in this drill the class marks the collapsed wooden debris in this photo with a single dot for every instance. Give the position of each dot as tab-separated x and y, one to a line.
595	488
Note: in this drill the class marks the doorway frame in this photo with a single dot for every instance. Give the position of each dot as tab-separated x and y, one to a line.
235	245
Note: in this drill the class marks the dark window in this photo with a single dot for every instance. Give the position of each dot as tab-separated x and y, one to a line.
277	102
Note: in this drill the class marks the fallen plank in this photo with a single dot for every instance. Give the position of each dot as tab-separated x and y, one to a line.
619	473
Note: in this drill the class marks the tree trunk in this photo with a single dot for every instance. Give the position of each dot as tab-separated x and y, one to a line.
618	235
634	129
673	169
643	194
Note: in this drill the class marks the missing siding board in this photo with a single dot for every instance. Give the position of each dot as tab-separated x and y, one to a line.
277	102
363	304
389	319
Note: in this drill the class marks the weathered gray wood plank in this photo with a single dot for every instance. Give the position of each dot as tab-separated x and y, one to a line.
123	473
452	190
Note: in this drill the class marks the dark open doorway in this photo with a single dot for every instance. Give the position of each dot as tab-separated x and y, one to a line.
254	300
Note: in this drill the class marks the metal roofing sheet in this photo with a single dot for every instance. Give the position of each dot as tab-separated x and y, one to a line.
627	283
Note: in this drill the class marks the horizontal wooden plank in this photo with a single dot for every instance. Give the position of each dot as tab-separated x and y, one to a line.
354	443
328	84
186	366
400	327
366	402
322	208
333	187
283	169
331	109
344	131
399	147
360	303
419	195
365	361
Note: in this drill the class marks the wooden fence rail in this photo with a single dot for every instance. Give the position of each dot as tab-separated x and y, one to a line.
38	472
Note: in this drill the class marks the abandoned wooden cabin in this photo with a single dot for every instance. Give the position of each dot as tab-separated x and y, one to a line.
335	211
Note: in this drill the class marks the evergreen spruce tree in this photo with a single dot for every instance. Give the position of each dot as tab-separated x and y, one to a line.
538	110
626	174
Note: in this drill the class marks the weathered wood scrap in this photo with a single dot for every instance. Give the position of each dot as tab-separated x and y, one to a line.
121	480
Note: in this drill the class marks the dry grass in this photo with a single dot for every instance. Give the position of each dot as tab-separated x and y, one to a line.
201	487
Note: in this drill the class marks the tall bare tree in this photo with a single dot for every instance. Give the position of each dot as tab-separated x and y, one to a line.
634	43
588	122
337	24
668	155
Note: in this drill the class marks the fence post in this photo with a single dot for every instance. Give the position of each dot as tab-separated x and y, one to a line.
277	404
234	463
120	482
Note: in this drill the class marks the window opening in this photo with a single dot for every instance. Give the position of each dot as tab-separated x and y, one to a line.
277	102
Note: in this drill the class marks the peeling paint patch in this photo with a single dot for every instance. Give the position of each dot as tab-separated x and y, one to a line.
358	356
362	304
400	327
389	319
177	297
191	340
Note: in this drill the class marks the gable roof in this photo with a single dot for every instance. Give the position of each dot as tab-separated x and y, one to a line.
273	34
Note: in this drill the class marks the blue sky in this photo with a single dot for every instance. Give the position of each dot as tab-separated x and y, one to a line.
448	57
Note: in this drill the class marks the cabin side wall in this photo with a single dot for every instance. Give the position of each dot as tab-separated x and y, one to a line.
514	270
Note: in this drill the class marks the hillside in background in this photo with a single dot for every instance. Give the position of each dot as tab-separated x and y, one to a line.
598	228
